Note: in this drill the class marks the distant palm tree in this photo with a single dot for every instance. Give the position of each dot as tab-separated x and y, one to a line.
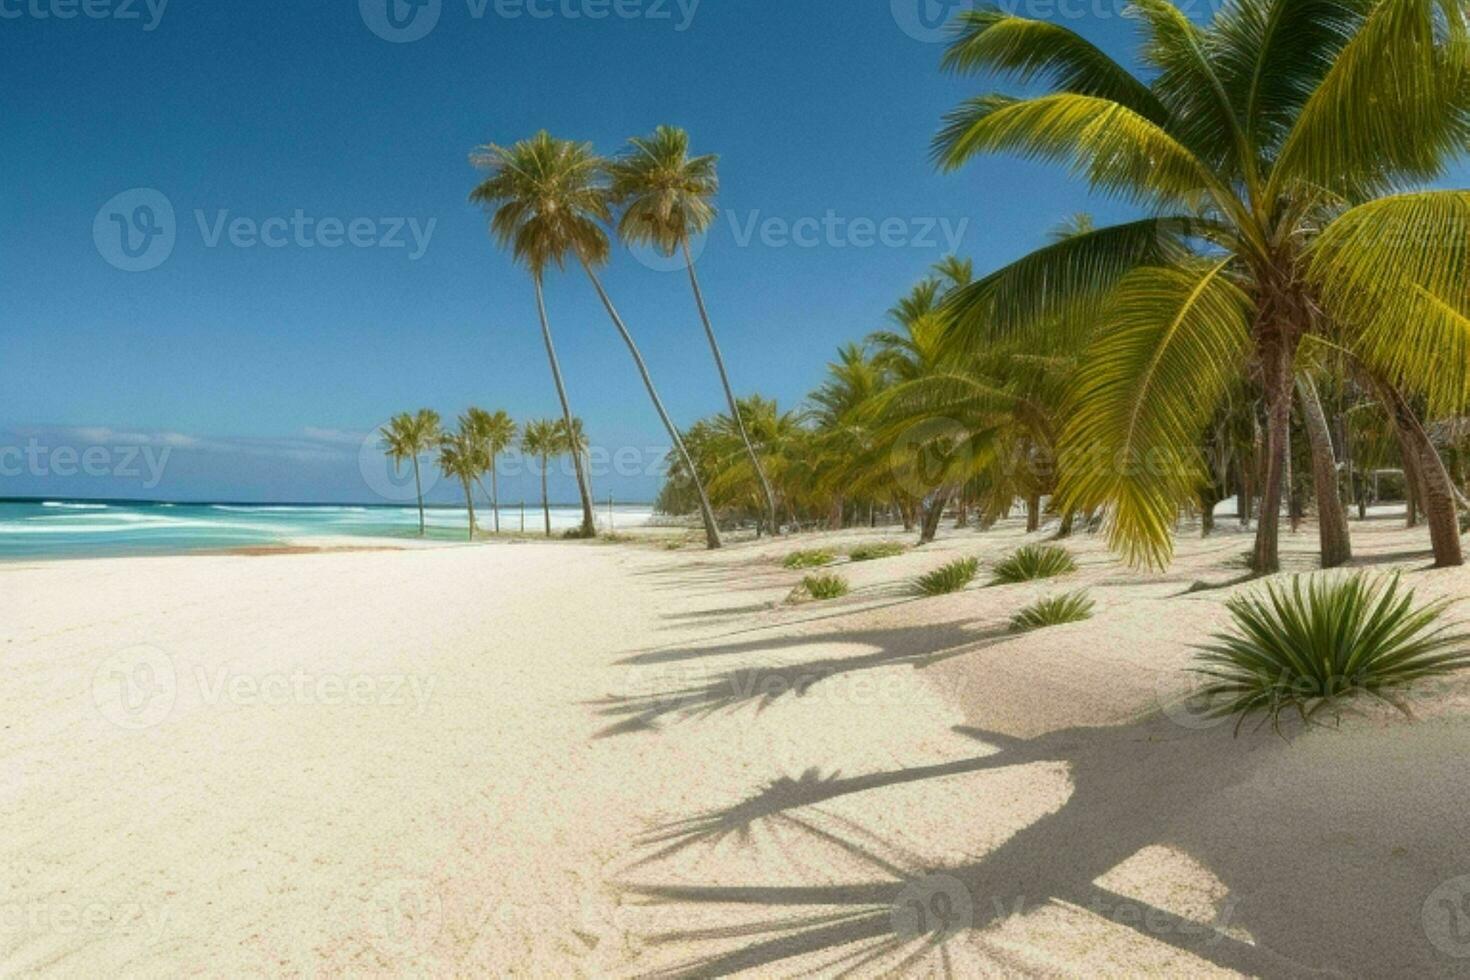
407	437
531	216
668	198
462	456
495	433
549	182
543	439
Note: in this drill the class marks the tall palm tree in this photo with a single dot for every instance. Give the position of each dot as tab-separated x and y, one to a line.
462	456
568	187
537	216
1260	144
668	198
543	439
495	432
407	437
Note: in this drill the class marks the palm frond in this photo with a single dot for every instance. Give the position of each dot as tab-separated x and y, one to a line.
1170	342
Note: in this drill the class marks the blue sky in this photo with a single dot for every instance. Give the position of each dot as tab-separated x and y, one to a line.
262	367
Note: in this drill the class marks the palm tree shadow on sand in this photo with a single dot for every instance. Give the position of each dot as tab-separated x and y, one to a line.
1147	784
759	686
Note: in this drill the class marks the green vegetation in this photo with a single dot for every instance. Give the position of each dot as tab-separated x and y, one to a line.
875	552
808	559
1073	607
407	437
1033	562
950	578
824	587
1322	642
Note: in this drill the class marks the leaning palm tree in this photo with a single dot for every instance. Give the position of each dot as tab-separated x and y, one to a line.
462	456
1261	143
526	193
406	438
667	199
543	439
567	189
495	433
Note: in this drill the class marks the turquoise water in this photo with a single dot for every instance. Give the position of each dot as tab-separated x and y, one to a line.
93	529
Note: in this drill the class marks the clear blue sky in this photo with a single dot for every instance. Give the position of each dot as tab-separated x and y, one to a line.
262	367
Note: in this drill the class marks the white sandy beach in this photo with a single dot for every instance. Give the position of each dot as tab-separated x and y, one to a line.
570	759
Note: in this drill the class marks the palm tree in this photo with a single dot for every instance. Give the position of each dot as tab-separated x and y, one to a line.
543	439
407	437
495	433
667	199
567	187
462	456
526	193
1260	145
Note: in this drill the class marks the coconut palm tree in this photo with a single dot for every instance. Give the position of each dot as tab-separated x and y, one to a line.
567	186
1260	145
541	220
407	437
667	198
462	456
495	432
543	439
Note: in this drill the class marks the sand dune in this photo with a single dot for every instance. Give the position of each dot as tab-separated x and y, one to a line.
599	760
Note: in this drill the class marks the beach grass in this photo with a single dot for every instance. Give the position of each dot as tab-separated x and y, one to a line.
1071	607
813	558
1033	562
948	578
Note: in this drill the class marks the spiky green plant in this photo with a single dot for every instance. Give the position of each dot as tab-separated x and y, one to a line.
1307	647
948	578
874	552
808	559
824	587
1035	561
1072	607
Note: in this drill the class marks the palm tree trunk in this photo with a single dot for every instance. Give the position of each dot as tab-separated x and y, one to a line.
418	487
545	504
714	346
469	500
1332	522
1033	513
934	514
1434	481
589	526
495	495
711	529
1278	354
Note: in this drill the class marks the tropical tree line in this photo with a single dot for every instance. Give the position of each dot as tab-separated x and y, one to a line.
1296	292
470	453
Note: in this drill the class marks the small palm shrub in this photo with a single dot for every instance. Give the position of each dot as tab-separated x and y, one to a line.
950	578
1033	562
1306	647
873	552
808	559
1073	607
821	588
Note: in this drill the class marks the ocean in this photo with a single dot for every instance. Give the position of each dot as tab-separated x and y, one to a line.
32	529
